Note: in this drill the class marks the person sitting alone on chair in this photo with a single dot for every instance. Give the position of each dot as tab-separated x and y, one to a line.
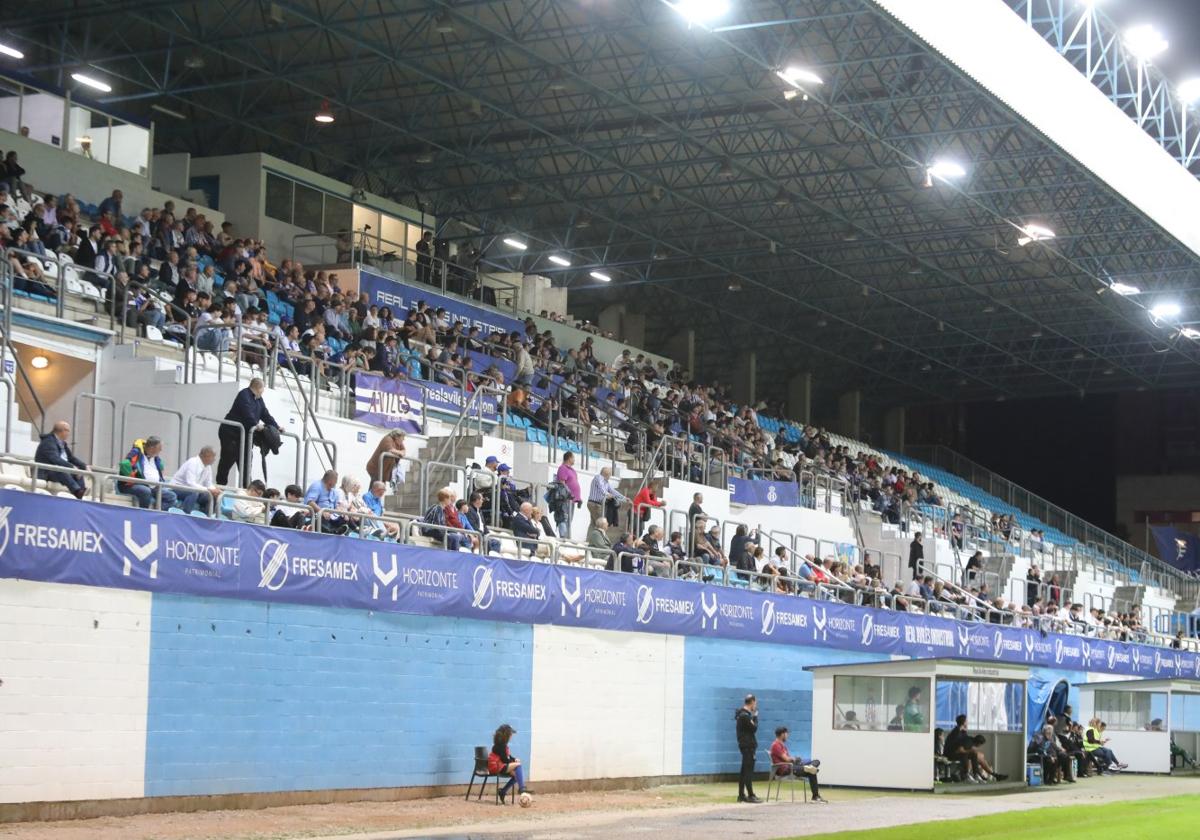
786	764
503	763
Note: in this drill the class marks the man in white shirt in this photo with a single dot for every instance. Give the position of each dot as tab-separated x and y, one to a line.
197	472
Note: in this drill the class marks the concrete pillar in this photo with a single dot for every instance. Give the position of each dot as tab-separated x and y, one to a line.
893	428
681	348
799	397
633	329
610	318
850	414
744	377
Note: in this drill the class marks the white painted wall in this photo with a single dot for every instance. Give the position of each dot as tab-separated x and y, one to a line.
75	665
606	704
52	170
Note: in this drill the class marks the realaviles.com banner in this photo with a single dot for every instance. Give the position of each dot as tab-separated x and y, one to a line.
46	538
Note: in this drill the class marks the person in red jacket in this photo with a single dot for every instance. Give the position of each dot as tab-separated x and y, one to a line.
646	498
503	763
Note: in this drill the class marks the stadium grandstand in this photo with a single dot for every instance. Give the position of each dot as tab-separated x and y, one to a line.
376	375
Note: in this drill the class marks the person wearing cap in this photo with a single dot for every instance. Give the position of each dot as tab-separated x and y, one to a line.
746	725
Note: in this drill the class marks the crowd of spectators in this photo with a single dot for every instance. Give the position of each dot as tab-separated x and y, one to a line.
220	289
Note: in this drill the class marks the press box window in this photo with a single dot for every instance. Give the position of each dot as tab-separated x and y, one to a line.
1130	711
881	704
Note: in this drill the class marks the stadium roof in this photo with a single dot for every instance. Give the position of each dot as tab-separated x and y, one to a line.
795	219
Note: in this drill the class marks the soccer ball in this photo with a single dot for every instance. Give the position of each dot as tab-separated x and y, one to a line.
525	800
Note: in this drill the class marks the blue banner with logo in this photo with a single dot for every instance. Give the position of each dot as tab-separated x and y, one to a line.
1179	548
46	538
397	404
402	296
759	492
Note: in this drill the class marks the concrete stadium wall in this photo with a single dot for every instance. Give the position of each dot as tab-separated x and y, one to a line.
116	701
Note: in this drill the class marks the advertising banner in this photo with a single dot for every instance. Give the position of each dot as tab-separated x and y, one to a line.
46	538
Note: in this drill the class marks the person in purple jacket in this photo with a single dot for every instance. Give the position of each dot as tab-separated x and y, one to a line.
567	475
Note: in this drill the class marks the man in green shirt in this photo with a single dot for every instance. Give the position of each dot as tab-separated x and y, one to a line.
914	712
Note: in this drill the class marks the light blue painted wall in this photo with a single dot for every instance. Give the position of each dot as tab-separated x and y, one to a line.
717	674
249	697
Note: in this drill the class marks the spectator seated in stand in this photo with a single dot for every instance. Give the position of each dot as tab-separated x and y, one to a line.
197	472
324	495
53	451
292	513
144	461
444	515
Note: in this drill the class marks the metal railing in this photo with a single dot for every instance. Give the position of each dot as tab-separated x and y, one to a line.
361	248
1051	515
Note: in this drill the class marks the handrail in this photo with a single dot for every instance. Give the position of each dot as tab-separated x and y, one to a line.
304	462
41	409
1154	631
178	415
114	446
10	389
475	399
1052	515
244	464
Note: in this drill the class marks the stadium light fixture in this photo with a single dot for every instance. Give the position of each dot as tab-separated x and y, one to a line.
557	260
944	170
1189	91
601	276
1034	233
39	362
11	52
96	84
701	11
1190	332
515	243
324	116
1162	311
797	76
1124	289
1145	42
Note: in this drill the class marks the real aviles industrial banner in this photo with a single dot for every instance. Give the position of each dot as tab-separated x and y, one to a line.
46	538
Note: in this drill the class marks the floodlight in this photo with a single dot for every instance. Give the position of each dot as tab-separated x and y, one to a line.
796	76
92	83
701	11
1189	90
1034	233
1145	42
1168	309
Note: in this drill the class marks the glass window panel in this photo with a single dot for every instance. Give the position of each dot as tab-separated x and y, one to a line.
881	704
394	234
364	216
339	215
279	198
989	706
1185	712
1132	710
308	208
129	147
42	114
10	106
